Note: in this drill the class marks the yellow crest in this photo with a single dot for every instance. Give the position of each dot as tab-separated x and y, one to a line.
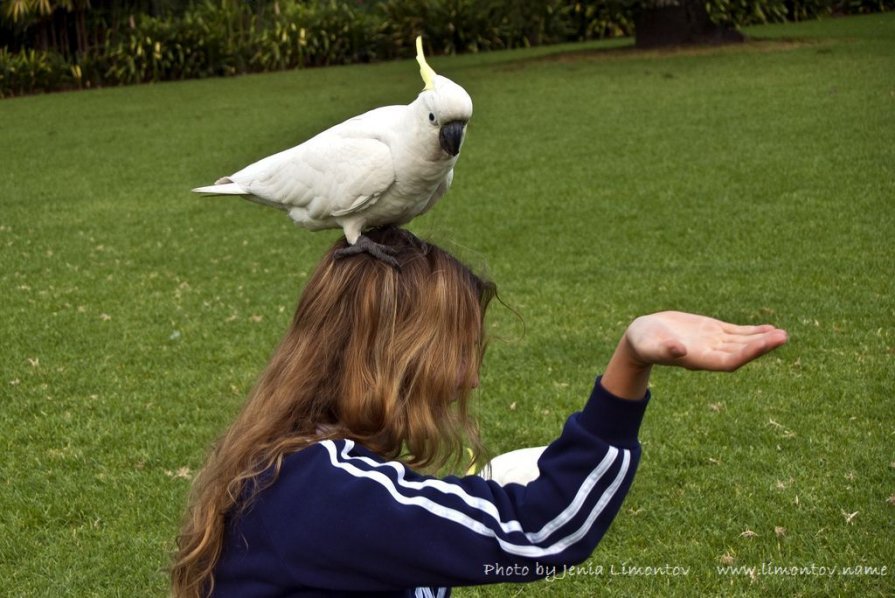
426	71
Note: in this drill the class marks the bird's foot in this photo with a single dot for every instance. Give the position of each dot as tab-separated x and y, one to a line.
365	245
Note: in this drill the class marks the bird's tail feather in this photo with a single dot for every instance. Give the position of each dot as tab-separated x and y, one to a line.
223	186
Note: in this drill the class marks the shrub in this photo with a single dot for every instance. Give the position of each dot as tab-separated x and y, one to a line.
227	37
32	71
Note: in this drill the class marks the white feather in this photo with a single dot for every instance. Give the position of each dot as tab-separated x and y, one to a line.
386	166
223	189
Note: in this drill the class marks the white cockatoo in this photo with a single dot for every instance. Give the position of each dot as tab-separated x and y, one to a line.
383	167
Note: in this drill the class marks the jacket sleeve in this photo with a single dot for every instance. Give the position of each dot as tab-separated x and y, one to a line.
343	519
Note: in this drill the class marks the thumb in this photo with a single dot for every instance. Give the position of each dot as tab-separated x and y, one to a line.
674	348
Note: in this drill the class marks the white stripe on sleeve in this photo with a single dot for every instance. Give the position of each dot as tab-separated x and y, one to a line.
485	506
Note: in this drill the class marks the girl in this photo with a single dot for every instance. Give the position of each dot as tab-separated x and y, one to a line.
315	489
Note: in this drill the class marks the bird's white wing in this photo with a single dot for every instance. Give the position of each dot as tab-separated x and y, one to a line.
332	174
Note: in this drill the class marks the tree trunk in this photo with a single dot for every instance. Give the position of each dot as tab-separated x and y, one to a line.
81	28
60	25
684	23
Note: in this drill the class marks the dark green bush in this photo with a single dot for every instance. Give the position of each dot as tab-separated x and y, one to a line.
747	12
227	37
32	71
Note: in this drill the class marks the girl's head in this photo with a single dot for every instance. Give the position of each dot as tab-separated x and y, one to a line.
382	356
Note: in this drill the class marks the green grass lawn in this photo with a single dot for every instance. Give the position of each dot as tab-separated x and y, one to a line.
753	183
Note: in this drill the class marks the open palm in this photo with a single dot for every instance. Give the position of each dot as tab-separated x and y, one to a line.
699	342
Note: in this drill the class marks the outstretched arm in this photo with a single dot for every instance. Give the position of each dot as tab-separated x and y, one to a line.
684	340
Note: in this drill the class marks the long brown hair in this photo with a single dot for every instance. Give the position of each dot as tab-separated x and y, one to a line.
382	356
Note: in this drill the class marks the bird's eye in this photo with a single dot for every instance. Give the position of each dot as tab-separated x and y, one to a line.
431	118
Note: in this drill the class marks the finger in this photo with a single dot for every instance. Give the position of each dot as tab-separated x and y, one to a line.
755	348
733	342
746	330
773	337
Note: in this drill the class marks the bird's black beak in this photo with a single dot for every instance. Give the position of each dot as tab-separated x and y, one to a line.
451	136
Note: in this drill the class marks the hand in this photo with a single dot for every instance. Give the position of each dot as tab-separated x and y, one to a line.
698	342
685	340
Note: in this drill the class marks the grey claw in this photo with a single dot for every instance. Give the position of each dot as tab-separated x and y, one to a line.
365	245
